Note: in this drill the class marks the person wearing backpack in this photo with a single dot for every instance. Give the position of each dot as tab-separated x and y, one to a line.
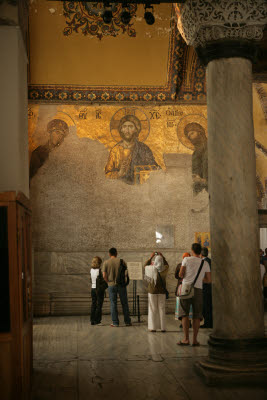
116	276
99	286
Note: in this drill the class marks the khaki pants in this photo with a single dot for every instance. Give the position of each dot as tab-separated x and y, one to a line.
156	311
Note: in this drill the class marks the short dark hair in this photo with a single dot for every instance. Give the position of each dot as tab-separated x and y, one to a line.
196	247
113	251
205	252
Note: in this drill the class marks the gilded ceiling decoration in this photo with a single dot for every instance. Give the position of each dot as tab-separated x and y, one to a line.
146	64
86	18
185	83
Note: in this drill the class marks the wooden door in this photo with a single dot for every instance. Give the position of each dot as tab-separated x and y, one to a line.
25	288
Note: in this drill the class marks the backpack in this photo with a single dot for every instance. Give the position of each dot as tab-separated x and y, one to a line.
101	284
122	276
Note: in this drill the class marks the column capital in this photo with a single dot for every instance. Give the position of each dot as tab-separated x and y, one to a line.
222	28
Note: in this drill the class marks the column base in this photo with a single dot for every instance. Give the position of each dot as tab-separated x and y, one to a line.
234	362
216	375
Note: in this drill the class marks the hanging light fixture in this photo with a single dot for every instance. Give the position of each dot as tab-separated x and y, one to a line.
126	15
149	17
107	14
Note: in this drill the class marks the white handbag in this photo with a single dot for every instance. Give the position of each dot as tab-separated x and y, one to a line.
186	290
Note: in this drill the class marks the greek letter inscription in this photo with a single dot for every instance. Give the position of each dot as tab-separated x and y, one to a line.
174	113
83	114
98	114
154	115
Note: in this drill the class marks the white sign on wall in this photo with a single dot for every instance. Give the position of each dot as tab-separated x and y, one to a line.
135	271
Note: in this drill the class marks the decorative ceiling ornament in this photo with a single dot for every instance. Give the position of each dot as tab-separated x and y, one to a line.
86	17
204	21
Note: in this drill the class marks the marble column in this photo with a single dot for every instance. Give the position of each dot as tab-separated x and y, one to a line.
224	35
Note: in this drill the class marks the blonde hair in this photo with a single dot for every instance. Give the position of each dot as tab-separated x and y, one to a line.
99	261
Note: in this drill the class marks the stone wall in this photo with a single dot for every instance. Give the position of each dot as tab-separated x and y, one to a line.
79	213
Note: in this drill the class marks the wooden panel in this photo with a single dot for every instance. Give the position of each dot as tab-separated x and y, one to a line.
8	196
7	375
16	346
24	201
24	264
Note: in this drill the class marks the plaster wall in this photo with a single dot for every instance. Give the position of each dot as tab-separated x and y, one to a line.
13	111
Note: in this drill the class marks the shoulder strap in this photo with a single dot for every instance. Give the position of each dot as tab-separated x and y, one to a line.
164	287
199	270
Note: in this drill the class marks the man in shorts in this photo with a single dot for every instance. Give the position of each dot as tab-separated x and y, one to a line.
188	273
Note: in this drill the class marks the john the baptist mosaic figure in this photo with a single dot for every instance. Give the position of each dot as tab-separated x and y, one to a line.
192	134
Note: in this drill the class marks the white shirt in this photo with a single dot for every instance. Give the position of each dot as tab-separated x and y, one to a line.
192	265
94	275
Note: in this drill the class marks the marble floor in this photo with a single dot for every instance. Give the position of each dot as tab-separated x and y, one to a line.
76	361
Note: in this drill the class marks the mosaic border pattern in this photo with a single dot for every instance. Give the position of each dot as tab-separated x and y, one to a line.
173	91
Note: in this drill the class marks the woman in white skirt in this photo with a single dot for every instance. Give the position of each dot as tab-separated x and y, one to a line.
156	269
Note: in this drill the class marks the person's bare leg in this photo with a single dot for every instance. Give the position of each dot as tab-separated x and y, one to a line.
196	324
185	323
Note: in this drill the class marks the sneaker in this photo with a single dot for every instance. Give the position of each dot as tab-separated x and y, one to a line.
99	324
114	326
92	323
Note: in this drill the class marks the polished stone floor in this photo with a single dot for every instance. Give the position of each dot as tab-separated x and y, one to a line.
76	361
